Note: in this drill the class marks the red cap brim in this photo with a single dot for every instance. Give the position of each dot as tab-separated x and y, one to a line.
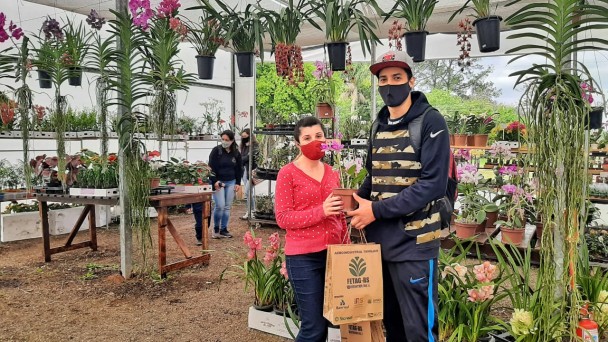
375	68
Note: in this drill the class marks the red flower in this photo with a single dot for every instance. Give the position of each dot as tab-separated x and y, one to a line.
112	158
153	154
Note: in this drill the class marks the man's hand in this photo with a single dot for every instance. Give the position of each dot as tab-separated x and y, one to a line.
363	216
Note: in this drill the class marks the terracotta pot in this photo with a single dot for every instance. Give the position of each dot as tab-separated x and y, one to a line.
465	230
460	140
452	139
324	110
480	140
512	236
481	228
491	219
470	140
539	230
347	198
154	182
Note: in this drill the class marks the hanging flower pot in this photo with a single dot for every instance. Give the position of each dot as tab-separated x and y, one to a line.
75	76
44	79
244	61
347	197
324	111
465	230
596	116
511	235
337	55
205	67
488	33
415	43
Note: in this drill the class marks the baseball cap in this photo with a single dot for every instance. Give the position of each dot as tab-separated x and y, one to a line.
398	59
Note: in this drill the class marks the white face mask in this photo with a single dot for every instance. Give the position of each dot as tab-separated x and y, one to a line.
226	144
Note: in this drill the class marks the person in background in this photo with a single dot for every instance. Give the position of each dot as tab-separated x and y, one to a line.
248	142
227	169
313	219
401	199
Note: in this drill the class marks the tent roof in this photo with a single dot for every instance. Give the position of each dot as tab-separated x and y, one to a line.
309	35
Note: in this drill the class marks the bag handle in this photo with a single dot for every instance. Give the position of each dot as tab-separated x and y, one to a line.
349	229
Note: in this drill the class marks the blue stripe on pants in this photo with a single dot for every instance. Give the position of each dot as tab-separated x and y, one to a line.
431	308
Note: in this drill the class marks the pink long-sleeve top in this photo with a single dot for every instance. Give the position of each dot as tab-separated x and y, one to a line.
299	210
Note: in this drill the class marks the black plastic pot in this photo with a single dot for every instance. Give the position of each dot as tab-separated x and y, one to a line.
205	67
415	44
75	78
596	116
488	33
337	55
44	80
245	60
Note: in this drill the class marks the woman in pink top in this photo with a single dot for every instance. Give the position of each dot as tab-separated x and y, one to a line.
313	219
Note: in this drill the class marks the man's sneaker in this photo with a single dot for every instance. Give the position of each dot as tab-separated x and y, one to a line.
224	233
215	235
199	242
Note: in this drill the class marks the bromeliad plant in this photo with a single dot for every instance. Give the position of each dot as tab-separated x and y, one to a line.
263	274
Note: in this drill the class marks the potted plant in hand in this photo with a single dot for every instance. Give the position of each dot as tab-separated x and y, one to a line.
416	14
207	37
324	90
351	171
340	17
486	24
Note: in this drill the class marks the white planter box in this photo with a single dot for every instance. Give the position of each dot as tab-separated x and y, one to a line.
70	135
175	137
44	135
194	189
151	136
88	134
20	226
272	323
112	135
358	141
510	144
10	134
62	221
94	192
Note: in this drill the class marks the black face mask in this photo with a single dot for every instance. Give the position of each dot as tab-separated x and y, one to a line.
394	95
245	140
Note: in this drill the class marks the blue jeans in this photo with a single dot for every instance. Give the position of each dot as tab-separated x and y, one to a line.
223	198
197	211
246	193
307	277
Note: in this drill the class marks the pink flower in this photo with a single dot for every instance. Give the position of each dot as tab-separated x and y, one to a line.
254	244
270	256
510	170
284	270
251	254
509	189
275	241
482	294
485	272
167	7
141	12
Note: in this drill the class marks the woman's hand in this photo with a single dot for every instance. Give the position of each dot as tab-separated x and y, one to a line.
237	188
217	185
332	205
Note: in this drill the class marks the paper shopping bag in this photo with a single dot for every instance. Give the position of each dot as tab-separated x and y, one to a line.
353	284
368	331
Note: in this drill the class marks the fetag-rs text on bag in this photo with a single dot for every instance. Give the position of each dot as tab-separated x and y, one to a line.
369	331
353	284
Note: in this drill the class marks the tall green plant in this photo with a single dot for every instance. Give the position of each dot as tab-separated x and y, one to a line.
555	117
103	52
415	12
342	16
24	101
482	9
131	85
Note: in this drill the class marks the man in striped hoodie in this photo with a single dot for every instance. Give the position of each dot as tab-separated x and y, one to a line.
401	198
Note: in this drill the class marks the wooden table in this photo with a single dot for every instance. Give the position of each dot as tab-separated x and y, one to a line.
89	209
161	203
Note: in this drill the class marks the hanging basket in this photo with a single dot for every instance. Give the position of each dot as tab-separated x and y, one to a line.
488	33
205	67
44	80
596	116
75	78
244	61
415	44
337	55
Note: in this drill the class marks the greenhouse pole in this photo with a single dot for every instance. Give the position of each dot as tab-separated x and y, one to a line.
126	234
373	94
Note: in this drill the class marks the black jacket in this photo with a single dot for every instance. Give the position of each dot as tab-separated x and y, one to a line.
245	156
225	166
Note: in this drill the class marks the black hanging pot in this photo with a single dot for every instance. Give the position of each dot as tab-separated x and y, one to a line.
205	67
488	33
44	80
75	76
596	116
337	55
245	60
415	44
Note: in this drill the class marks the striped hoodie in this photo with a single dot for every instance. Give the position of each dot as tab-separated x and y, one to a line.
404	184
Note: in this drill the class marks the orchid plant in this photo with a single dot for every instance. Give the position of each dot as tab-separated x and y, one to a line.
325	87
351	170
474	205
